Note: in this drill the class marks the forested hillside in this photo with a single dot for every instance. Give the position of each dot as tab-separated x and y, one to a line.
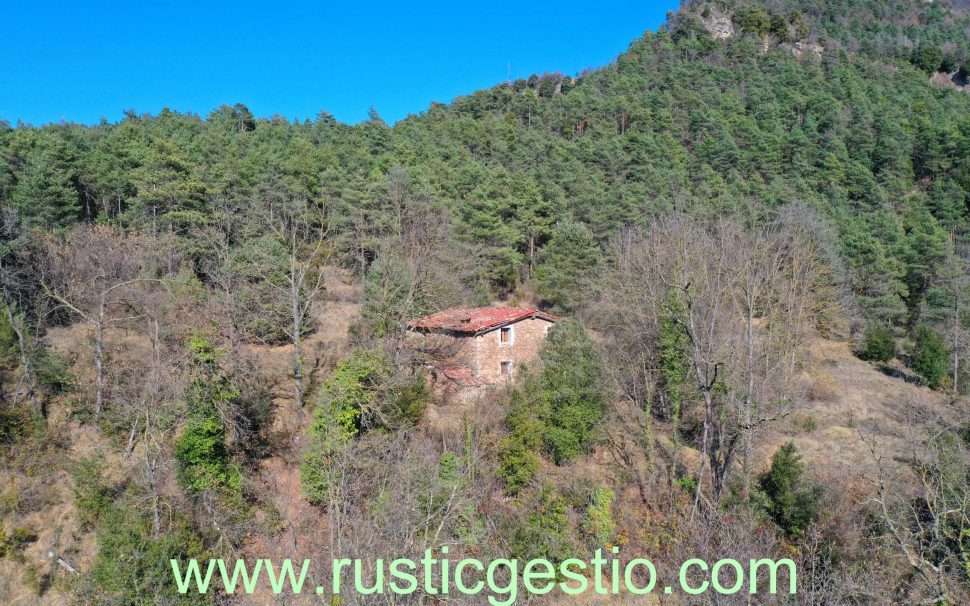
194	305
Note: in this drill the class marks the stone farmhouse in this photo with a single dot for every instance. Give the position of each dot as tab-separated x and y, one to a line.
484	345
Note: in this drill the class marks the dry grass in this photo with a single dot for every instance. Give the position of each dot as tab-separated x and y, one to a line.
853	405
824	388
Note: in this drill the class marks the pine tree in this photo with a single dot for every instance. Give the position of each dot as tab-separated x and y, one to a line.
567	266
792	497
45	195
930	357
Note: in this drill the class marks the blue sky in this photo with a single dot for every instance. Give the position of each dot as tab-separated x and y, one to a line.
66	61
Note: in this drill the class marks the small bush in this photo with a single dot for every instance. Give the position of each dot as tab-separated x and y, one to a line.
37	581
598	523
545	533
879	345
92	496
518	452
54	372
14	426
567	391
9	500
687	483
562	444
21	537
201	455
203	460
554	409
132	563
405	404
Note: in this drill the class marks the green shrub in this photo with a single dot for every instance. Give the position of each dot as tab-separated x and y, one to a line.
561	444
354	387
545	533
132	565
598	523
930	357
92	496
405	404
555	408
878	345
203	460
201	455
14	425
568	388
53	371
37	581
446	483
470	526
518	464
792	499
753	20
518	459
21	537
927	57
687	483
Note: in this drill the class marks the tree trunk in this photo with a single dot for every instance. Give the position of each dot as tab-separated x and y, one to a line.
532	253
21	344
297	348
748	397
956	343
99	363
152	463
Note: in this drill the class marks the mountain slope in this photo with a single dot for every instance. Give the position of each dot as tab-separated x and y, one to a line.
173	262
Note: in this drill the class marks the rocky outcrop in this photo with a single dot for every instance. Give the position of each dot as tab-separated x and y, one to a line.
718	25
801	49
959	79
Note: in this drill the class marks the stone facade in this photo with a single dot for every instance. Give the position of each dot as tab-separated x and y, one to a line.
478	347
485	353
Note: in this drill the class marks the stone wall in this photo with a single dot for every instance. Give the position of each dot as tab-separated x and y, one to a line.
486	352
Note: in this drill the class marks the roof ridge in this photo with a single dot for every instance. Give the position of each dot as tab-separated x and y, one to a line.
477	319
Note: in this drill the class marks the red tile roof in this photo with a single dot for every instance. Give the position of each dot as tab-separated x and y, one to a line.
461	375
471	320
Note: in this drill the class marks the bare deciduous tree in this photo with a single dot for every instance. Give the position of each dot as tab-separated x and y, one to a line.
927	522
302	229
91	272
747	303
